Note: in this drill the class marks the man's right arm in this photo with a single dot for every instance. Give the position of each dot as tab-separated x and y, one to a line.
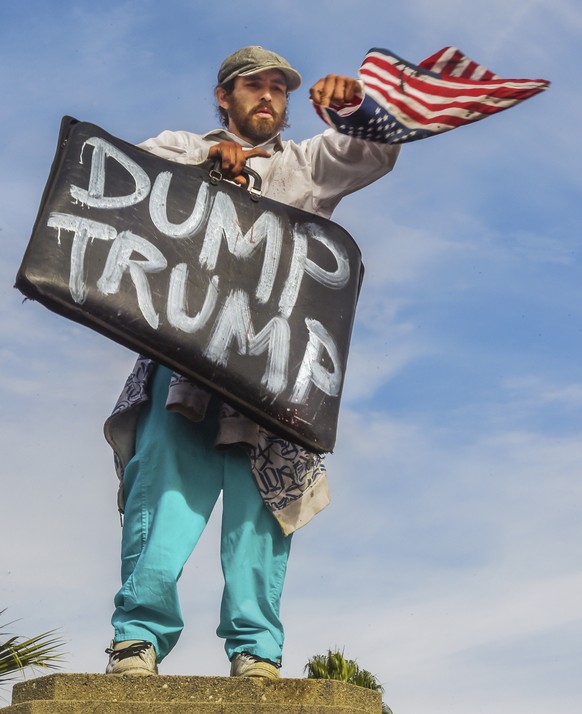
342	164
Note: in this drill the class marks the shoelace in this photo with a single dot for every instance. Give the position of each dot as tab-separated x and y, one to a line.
130	651
256	658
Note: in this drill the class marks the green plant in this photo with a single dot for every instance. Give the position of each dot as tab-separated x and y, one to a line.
334	665
18	654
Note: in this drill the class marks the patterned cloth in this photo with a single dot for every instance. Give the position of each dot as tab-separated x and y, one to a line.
291	480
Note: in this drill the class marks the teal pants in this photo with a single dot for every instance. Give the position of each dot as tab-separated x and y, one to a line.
171	486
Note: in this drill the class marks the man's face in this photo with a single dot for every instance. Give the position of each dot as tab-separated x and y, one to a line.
256	107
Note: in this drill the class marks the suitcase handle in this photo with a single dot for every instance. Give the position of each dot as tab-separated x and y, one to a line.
254	181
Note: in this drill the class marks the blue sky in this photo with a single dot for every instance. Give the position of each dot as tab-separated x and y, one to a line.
449	560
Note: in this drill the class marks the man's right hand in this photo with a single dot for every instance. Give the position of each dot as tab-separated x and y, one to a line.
334	90
233	158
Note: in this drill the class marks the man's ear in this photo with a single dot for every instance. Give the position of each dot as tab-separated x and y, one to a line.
222	97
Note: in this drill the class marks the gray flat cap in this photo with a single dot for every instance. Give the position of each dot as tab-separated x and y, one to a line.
250	60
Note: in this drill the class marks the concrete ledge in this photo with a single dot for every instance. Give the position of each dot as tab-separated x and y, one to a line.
118	694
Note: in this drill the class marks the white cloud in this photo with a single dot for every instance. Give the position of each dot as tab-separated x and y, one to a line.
532	390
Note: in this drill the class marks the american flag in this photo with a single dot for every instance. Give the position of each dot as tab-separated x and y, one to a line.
405	102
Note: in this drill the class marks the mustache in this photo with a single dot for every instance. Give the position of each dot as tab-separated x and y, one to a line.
267	107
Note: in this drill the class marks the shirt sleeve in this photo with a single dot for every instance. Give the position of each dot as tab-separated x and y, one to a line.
180	146
342	164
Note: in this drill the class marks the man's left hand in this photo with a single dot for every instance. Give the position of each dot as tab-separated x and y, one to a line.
335	89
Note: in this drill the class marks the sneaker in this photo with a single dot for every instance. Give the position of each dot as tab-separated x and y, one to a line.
132	657
245	664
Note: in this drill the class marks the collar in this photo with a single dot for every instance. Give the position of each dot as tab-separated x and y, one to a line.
275	143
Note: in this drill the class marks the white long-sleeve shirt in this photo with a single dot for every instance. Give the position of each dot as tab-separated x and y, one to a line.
314	174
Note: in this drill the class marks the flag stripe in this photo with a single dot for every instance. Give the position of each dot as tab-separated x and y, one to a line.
425	111
392	90
446	62
413	117
448	86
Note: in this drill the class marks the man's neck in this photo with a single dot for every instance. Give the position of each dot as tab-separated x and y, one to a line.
276	139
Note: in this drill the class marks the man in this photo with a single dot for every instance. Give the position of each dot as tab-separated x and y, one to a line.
177	447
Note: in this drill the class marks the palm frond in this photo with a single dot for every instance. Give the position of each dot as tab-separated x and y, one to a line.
17	654
363	678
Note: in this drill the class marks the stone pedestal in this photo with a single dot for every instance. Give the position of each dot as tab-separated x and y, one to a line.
118	694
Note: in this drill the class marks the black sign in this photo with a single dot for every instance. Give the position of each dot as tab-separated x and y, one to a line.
251	298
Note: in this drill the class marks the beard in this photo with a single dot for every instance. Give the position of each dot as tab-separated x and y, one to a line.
255	128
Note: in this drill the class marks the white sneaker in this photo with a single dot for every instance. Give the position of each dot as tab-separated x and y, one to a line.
132	657
248	665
